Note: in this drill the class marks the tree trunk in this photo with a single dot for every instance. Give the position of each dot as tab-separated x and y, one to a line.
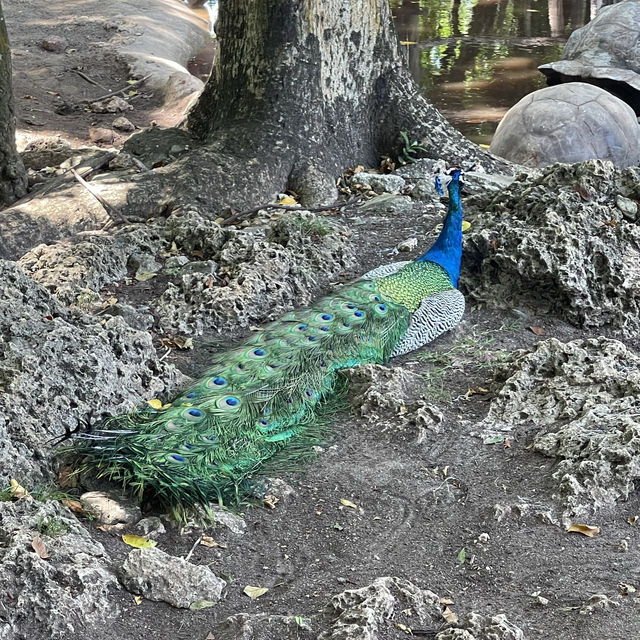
301	90
13	179
321	85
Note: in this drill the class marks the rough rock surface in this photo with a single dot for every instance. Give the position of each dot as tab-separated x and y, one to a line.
479	627
158	576
261	274
557	243
360	614
383	391
60	367
261	626
62	596
585	394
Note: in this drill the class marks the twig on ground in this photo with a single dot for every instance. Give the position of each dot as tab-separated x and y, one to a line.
287	207
115	93
113	212
84	76
143	167
196	543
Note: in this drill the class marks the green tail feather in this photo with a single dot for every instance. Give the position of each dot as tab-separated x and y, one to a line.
255	403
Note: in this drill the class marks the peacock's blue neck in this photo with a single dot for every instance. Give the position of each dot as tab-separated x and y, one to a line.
447	249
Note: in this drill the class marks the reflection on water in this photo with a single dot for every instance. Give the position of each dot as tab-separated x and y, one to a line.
474	59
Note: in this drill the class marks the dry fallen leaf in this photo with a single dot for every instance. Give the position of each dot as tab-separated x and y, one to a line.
157	404
403	627
67	478
449	616
539	331
17	490
254	592
506	444
466	225
476	391
348	503
270	501
201	604
74	505
208	541
446	601
137	600
287	200
143	276
584	529
139	542
39	547
632	521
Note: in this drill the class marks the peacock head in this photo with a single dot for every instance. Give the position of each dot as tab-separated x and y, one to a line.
445	176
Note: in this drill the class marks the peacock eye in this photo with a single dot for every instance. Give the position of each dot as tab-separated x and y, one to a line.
359	314
193	414
193	394
326	317
176	457
232	401
217	382
259	352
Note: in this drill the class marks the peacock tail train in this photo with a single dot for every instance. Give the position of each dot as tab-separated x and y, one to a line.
261	400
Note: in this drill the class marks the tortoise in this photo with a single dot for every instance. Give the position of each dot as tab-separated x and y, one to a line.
605	52
569	122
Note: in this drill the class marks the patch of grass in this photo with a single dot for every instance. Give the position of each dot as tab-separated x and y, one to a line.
6	495
52	527
316	227
474	352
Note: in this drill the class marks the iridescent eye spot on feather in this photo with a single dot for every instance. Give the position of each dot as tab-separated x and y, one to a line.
228	402
209	439
381	309
312	395
324	329
302	327
176	457
192	414
259	353
193	394
358	314
187	447
312	338
375	298
266	411
173	425
217	383
349	306
326	317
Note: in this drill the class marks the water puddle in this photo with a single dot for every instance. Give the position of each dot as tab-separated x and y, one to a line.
473	59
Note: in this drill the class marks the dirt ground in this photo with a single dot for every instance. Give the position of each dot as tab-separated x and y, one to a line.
51	88
418	503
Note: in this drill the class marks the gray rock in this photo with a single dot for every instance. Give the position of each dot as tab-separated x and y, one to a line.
175	262
136	318
114	104
151	526
379	390
50	360
158	576
123	124
628	207
234	523
598	602
476	626
257	279
379	182
109	509
63	596
261	626
101	134
54	44
207	267
584	395
359	614
388	203
553	243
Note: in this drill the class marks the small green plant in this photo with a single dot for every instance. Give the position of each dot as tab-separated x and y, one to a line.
409	150
6	495
315	227
52	527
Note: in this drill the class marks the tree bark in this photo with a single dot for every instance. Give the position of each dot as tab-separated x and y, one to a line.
301	90
13	179
321	82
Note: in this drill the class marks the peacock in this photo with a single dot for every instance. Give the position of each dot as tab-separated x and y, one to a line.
261	401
